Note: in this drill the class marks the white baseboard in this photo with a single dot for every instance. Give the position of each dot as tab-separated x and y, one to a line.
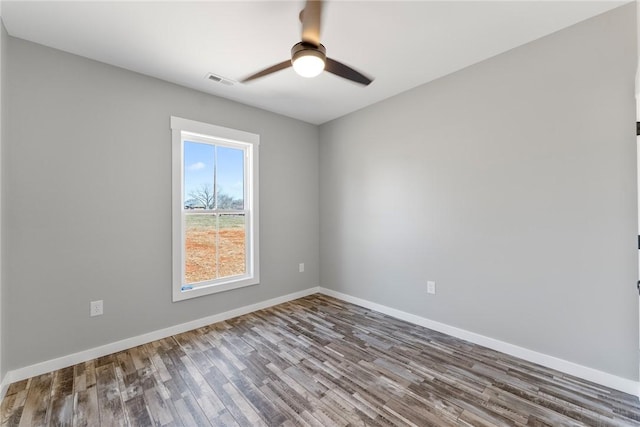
589	374
92	353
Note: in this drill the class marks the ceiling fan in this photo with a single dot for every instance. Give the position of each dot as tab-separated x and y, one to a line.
309	57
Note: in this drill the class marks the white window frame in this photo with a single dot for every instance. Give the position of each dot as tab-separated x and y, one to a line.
184	129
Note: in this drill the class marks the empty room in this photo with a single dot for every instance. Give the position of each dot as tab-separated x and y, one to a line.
319	213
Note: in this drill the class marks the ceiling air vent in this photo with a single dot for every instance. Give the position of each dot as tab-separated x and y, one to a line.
219	79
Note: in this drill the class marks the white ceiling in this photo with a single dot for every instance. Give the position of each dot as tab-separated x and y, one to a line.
401	44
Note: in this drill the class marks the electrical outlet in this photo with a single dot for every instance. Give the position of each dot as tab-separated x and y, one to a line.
301	267
96	308
431	287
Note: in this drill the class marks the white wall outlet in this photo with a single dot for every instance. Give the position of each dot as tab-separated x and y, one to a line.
301	267
96	308
431	287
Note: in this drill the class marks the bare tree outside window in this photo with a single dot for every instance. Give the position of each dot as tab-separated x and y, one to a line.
204	196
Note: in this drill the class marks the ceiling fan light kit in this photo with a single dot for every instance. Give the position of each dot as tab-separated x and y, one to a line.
308	60
309	57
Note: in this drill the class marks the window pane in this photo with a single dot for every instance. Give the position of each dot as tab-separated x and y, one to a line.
199	160
200	248
231	244
230	178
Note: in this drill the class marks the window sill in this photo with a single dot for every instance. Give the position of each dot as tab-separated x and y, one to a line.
180	295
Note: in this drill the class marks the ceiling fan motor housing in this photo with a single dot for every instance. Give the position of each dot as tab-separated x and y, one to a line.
308	49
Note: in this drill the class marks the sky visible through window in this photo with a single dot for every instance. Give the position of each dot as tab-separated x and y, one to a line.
199	160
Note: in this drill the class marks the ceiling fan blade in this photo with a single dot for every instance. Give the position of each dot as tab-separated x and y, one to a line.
281	66
311	17
344	71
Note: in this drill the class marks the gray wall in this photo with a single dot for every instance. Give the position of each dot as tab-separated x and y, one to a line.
87	203
512	184
3	73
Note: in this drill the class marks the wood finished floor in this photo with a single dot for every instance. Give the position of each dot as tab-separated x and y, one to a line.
314	361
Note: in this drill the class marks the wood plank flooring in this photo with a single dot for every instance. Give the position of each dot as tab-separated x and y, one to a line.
315	361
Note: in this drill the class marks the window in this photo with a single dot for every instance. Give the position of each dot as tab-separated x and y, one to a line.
215	209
